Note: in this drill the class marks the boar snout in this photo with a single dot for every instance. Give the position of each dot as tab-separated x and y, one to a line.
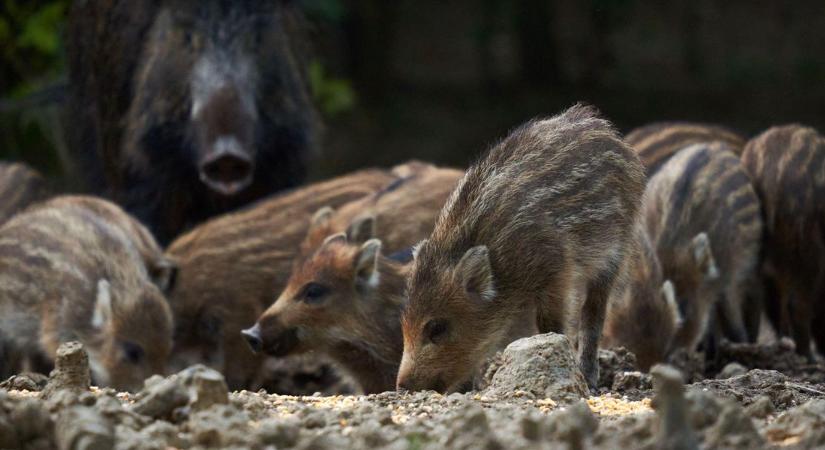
227	169
271	338
253	338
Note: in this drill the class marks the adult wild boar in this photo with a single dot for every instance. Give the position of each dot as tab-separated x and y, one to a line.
530	241
183	110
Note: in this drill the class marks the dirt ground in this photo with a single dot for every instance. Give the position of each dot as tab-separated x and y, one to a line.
532	396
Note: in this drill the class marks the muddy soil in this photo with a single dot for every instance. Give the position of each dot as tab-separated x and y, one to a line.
532	397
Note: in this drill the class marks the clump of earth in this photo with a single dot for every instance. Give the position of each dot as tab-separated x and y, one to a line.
532	396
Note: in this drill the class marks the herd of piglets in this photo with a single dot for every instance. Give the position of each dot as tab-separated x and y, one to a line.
674	237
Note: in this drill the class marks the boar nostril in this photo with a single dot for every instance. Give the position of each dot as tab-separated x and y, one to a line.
253	338
228	168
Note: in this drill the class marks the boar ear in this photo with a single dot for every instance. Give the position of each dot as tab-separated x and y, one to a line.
416	249
321	217
476	274
164	274
703	254
366	263
362	229
337	237
103	305
669	296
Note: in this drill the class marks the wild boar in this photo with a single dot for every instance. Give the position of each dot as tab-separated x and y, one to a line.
657	142
531	240
787	166
704	220
402	213
74	268
185	110
229	267
20	186
344	302
643	315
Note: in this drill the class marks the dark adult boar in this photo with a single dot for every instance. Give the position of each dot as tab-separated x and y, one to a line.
20	186
344	302
79	268
787	166
657	142
704	221
184	109
530	241
230	266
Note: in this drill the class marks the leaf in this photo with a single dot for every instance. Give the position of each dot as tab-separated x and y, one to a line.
41	30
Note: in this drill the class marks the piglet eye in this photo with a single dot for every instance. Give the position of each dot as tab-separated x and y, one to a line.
314	293
133	352
436	330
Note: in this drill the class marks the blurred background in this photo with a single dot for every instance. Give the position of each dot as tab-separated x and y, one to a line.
442	80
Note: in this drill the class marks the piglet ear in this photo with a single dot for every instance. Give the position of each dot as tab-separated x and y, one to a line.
103	305
321	217
476	274
339	238
417	247
361	229
164	273
669	296
366	263
703	254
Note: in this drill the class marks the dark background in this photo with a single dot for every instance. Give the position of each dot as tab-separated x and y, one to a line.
441	80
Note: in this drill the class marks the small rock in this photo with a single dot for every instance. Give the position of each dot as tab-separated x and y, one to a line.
613	362
734	429
159	398
627	381
704	408
71	370
281	433
31	421
471	430
731	370
83	428
573	425
761	408
675	431
543	365
207	387
25	382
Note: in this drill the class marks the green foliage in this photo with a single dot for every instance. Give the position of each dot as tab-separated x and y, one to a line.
333	95
40	30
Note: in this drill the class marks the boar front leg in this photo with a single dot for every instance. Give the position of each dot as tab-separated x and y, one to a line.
591	322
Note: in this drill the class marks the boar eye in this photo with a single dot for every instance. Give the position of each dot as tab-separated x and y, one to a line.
314	293
133	352
436	330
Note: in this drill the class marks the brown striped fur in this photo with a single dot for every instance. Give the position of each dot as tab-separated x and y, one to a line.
345	302
400	215
20	186
230	267
787	166
657	142
530	241
73	268
704	221
641	316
